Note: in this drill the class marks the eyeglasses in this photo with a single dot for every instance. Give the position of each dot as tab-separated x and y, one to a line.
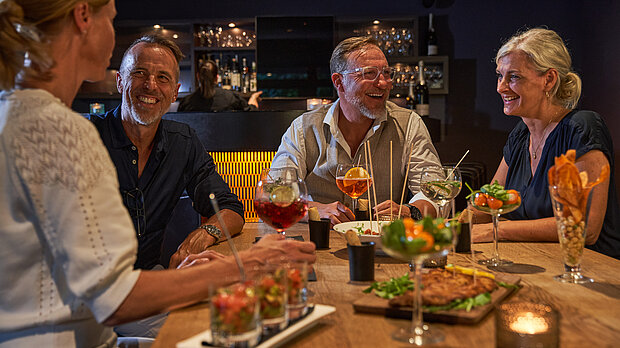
134	202
371	73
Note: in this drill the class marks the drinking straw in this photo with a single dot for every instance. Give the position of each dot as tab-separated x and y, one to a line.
368	185
453	169
372	174
228	238
390	180
402	195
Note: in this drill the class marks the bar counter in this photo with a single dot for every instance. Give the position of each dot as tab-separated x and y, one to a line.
589	313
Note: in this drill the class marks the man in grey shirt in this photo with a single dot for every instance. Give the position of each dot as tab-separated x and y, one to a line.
317	141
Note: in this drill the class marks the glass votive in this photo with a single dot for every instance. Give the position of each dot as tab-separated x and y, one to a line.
235	315
313	103
97	108
297	289
272	291
526	324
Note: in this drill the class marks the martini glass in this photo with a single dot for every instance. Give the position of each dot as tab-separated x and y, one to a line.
397	245
354	181
281	198
495	261
441	184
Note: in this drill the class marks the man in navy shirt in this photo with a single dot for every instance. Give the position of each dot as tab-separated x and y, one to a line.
157	160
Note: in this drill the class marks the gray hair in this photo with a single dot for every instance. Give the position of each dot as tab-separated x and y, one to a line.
158	40
546	50
338	61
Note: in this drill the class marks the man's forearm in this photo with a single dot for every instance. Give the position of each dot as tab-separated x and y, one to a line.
234	222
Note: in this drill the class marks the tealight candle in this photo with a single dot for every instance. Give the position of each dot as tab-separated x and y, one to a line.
526	325
313	103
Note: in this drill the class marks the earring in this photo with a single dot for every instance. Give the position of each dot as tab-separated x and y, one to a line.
547	94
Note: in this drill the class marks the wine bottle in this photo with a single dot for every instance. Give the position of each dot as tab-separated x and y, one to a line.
410	101
421	93
431	39
253	82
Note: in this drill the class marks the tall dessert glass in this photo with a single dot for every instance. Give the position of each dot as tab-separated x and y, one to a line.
571	224
281	198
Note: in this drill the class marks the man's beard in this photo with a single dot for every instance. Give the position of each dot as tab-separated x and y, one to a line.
364	110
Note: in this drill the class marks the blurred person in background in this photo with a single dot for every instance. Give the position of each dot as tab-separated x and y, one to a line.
210	98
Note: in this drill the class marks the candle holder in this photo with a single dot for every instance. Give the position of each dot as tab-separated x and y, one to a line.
526	325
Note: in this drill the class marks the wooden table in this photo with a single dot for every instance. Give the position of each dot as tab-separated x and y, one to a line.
590	314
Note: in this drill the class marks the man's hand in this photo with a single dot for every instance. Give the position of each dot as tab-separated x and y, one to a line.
336	212
384	208
198	241
198	259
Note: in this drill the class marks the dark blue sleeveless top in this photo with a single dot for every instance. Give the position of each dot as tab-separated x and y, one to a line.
580	130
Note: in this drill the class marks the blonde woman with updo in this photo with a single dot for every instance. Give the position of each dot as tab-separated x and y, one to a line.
67	242
536	83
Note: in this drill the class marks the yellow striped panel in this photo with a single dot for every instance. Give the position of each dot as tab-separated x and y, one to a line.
241	171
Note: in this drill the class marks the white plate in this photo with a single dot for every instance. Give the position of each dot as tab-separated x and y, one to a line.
291	331
354	225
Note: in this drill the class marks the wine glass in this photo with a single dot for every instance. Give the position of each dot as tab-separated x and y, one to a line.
399	243
441	184
281	198
571	223
495	261
354	181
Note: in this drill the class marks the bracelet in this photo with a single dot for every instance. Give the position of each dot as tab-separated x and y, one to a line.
213	231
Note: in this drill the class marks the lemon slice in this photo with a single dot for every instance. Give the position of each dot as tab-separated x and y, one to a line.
282	196
357	173
470	271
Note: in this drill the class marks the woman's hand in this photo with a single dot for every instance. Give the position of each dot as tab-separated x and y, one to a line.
482	233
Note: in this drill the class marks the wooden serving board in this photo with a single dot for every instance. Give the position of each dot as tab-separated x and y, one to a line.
370	303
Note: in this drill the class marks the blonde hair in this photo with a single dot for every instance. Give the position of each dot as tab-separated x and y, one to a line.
546	50
26	27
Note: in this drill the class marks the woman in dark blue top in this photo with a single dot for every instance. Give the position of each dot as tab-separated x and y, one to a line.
536	83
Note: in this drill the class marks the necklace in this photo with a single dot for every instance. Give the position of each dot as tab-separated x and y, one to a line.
542	139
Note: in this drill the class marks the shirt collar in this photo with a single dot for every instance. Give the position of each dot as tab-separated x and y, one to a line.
331	119
120	138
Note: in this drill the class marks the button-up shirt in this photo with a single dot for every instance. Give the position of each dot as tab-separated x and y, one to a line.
315	145
177	163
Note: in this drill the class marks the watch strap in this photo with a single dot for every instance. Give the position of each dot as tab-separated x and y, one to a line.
213	231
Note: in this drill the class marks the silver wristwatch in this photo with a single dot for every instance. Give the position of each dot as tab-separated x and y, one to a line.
213	231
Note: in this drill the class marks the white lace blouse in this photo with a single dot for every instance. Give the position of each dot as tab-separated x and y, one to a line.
67	244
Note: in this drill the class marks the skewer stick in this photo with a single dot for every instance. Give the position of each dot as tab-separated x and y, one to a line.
228	238
372	174
453	169
368	185
402	195
391	199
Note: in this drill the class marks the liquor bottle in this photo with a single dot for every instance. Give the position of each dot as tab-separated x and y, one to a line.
253	82
226	83
431	39
236	75
421	93
410	101
219	73
245	77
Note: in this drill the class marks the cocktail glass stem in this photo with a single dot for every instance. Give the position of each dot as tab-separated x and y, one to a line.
496	238
495	261
572	274
418	334
417	325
